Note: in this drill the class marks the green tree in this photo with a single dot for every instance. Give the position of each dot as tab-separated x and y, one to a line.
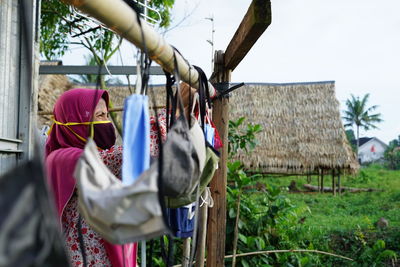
61	27
359	114
350	137
392	154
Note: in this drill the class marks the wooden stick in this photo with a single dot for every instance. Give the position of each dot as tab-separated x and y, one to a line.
288	251
186	252
236	231
322	181
284	251
349	189
200	255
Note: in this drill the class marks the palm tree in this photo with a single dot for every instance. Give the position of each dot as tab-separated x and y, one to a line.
357	113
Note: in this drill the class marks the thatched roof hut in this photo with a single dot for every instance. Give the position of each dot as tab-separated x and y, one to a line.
302	128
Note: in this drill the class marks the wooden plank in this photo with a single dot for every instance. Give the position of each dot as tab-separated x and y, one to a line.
217	215
254	23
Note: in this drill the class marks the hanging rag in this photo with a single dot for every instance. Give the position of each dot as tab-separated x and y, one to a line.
136	138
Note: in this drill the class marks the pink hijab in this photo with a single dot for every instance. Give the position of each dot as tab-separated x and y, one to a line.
63	149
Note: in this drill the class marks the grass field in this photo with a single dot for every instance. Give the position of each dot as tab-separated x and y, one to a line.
346	224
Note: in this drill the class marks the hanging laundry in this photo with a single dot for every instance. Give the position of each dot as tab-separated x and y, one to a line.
121	214
217	139
206	176
209	133
181	221
154	142
136	138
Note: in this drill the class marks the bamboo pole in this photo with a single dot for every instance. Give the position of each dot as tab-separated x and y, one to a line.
122	19
116	109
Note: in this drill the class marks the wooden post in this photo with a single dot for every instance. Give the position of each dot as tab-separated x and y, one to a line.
254	23
217	215
339	185
322	180
319	180
333	182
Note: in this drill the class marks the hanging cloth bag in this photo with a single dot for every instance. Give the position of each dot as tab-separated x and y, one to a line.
121	214
210	167
184	151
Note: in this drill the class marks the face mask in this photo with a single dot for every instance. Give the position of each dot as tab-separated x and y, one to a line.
104	135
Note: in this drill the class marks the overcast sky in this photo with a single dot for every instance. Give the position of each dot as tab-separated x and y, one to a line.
355	43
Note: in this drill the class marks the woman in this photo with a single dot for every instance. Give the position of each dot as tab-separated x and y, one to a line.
72	113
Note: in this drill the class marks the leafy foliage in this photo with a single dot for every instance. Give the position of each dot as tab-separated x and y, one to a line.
350	137
392	154
242	139
59	25
267	218
272	219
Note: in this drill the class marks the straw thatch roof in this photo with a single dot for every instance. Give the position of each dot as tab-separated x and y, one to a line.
50	88
302	127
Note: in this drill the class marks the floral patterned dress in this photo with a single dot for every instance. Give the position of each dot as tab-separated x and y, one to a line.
95	251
